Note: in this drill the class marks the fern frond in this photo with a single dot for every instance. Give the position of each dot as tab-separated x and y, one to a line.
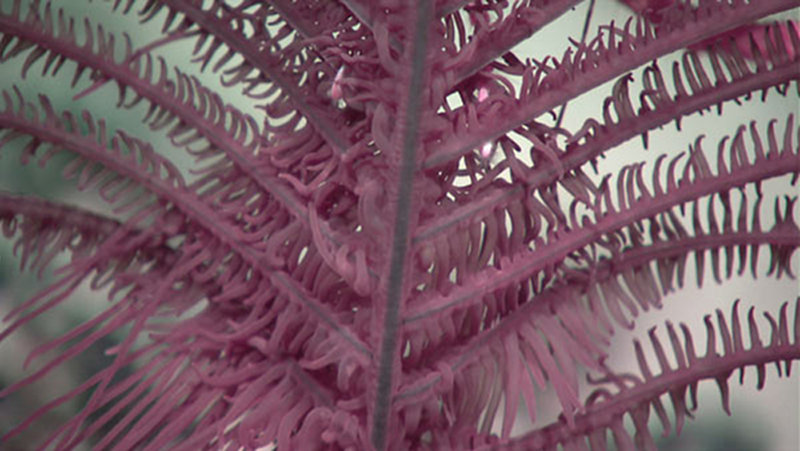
165	376
636	395
656	107
482	323
397	245
205	251
635	203
46	229
495	38
196	117
617	286
548	86
266	61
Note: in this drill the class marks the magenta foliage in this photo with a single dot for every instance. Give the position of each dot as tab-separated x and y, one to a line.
406	240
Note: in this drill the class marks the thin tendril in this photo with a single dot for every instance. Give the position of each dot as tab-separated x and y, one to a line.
585	31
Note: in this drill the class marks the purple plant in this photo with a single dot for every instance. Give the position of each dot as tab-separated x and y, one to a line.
406	240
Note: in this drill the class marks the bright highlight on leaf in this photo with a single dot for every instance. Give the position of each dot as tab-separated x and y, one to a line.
336	87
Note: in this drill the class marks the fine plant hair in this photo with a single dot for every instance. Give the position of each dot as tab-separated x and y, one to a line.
408	238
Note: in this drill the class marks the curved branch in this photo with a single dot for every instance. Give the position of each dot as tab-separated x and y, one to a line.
596	64
604	411
633	207
657	107
499	39
268	64
142	165
577	295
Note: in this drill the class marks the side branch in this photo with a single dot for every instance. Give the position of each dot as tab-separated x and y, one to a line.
266	63
605	411
592	66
